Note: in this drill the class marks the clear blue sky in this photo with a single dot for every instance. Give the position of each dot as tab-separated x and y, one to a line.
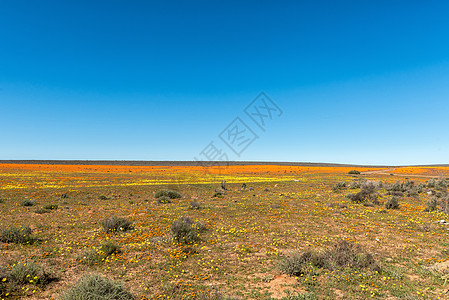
362	82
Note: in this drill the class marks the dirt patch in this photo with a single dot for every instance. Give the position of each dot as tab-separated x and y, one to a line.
280	285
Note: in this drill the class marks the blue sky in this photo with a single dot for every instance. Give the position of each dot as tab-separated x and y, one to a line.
358	82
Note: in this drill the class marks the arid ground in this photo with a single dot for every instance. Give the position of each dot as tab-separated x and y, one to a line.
249	241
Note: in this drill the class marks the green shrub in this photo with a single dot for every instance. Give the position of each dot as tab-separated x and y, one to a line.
392	203
114	224
103	197
110	248
51	207
41	211
92	257
26	202
354	172
185	230
17	235
95	287
167	193
30	273
163	200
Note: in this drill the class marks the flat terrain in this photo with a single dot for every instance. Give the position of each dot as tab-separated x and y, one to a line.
283	210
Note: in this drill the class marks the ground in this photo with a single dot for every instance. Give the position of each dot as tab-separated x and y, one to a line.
282	211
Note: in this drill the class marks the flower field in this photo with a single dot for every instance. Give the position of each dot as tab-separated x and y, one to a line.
241	233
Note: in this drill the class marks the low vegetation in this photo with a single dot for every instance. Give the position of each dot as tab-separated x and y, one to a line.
97	287
279	232
116	224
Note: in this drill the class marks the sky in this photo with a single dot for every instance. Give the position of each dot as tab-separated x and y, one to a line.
360	82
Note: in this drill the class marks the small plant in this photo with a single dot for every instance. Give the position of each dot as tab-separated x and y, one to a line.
17	235
431	183
354	172
51	207
27	202
339	186
392	203
431	205
110	248
342	255
103	197
441	185
368	192
97	287
163	200
297	264
218	195
195	205
30	273
115	224
93	257
185	230
444	203
41	211
400	188
168	193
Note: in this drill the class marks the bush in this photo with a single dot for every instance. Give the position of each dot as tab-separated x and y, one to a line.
168	193
103	197
186	231
347	255
400	187
444	203
392	203
51	207
355	184
368	191
110	248
340	256
163	199
93	257
27	202
195	205
441	185
31	272
431	205
41	211
297	264
354	172
14	234
431	183
339	186
114	224
218	195
95	287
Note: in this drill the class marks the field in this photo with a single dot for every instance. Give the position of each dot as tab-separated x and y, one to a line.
245	236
